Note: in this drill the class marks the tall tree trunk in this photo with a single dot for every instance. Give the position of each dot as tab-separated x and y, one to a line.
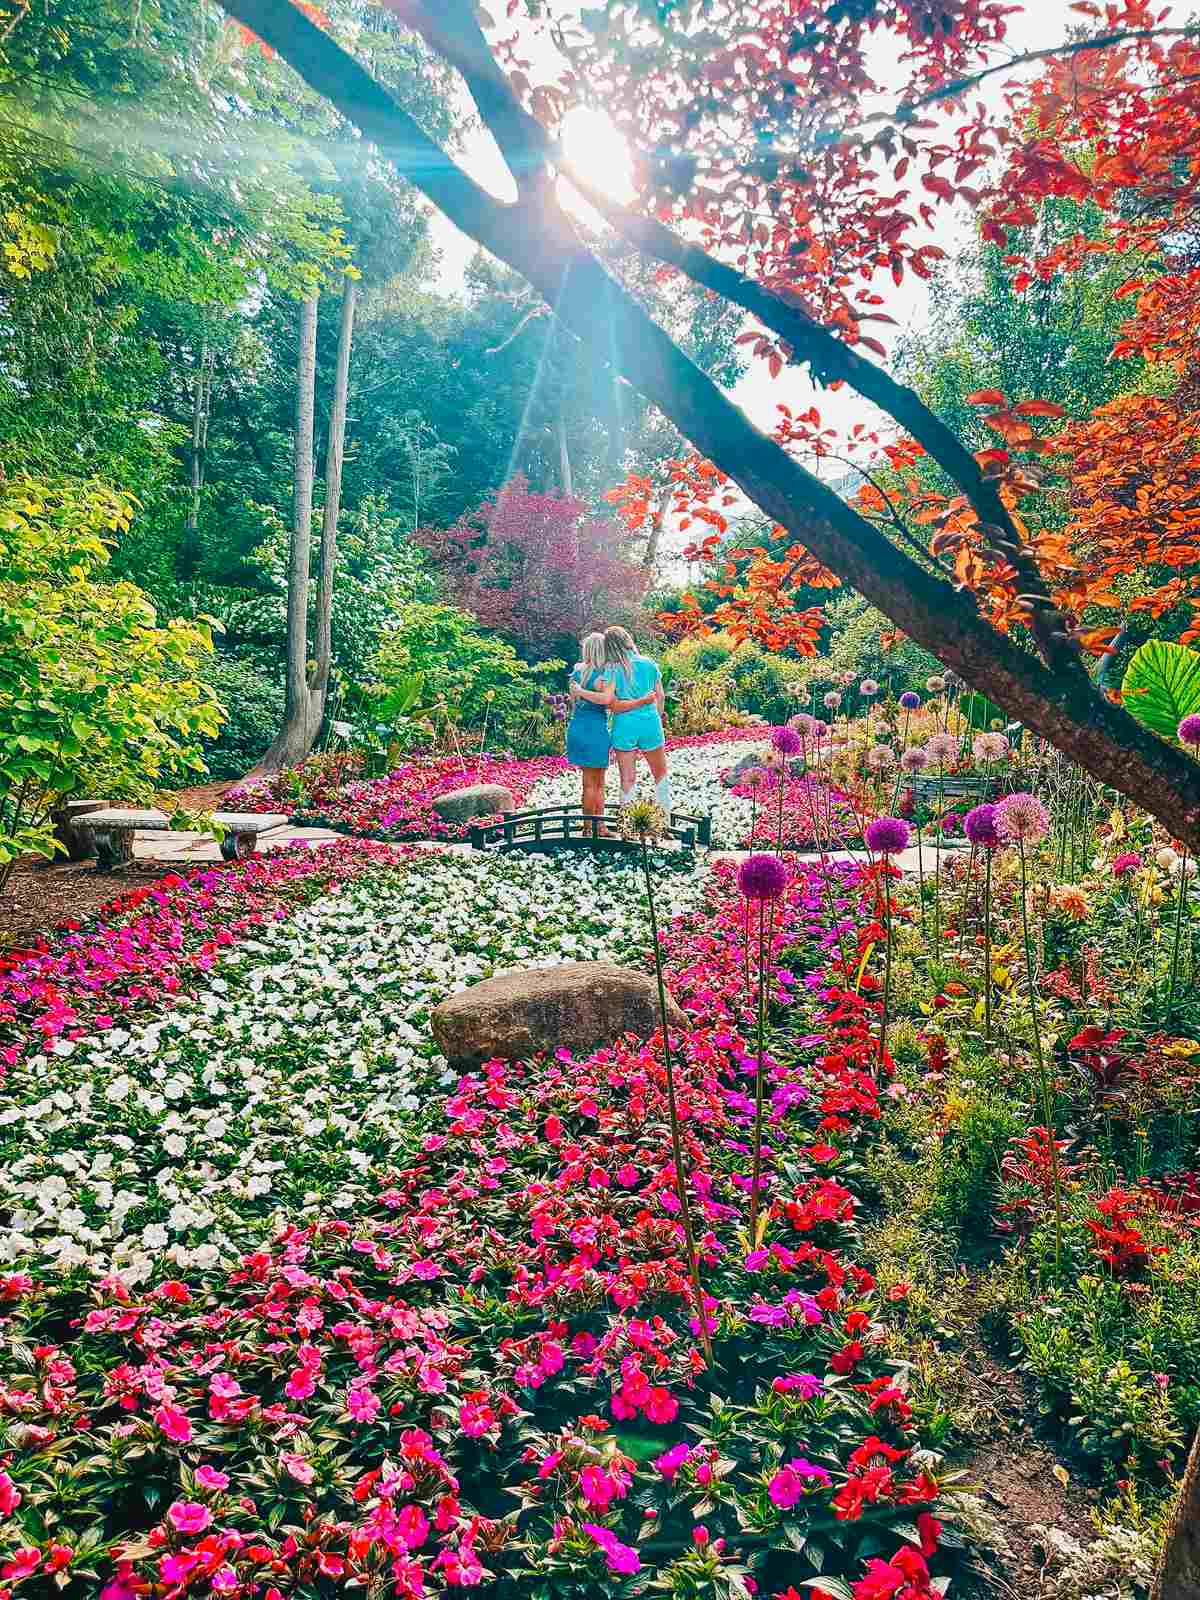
335	452
656	527
295	738
564	457
1179	1575
201	402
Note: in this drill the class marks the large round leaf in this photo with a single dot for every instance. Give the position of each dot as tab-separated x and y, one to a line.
1162	685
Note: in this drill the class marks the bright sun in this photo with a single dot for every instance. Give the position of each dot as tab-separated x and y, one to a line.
595	146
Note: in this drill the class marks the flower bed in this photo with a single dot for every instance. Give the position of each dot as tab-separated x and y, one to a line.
400	805
477	1364
146	944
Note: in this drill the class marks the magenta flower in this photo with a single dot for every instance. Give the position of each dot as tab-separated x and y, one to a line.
1189	729
174	1423
621	1557
189	1516
887	836
786	741
980	827
793	1481
762	877
1129	861
671	1460
211	1478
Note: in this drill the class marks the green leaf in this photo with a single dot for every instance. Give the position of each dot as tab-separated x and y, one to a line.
1162	686
832	1586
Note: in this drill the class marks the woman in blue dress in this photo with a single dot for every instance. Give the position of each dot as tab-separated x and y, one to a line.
588	743
637	709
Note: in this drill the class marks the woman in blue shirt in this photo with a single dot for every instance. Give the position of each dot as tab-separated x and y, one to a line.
637	708
588	742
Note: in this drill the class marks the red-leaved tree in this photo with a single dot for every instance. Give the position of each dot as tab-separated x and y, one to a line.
536	567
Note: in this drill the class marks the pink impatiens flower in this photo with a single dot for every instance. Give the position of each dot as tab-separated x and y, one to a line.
297	1467
189	1516
174	1423
211	1478
621	1557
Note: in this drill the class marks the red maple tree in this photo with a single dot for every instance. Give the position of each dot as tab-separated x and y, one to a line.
537	568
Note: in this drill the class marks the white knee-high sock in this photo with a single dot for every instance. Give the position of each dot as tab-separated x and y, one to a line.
662	791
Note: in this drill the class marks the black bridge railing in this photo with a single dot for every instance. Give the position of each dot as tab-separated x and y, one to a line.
552	827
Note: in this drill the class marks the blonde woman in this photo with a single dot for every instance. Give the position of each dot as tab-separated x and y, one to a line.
637	708
588	743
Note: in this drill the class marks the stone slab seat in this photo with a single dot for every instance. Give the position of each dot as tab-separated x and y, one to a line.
519	1012
112	829
242	829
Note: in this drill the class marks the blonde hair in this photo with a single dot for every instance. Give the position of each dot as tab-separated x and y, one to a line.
619	647
592	653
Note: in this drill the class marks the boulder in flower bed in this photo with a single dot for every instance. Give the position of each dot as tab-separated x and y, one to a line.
520	1012
741	770
478	800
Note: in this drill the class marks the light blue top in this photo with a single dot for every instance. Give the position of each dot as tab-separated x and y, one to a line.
642	728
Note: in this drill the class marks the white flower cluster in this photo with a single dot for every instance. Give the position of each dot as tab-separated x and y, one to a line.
294	1067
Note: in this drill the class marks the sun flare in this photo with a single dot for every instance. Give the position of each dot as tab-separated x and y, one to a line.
596	148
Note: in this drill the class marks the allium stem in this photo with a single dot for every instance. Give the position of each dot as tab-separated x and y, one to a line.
760	1074
887	965
676	1137
987	947
1043	1075
1180	902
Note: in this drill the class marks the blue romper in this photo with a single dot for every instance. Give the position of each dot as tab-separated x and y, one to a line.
587	731
641	729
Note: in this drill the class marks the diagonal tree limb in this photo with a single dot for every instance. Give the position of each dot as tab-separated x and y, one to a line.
540	243
455	34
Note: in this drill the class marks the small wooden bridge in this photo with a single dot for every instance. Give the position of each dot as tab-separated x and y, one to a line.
550	828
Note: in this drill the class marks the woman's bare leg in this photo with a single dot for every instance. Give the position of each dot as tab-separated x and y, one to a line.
656	760
627	767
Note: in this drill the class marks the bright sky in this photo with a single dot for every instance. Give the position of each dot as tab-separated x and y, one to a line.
599	152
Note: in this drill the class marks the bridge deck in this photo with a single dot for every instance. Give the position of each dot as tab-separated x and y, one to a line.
566	827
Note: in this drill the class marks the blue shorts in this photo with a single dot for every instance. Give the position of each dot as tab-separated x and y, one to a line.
638	730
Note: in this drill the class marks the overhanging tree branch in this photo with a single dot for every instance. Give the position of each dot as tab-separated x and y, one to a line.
539	242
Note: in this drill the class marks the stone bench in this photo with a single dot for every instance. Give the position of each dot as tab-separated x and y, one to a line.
111	832
241	830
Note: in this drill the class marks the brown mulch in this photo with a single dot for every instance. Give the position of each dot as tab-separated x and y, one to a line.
1020	1480
40	895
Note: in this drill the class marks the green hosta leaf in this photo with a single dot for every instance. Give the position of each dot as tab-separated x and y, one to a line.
1162	685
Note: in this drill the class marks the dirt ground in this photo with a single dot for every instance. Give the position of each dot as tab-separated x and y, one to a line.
41	895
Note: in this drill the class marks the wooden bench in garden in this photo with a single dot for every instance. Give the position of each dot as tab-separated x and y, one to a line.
928	790
241	830
111	832
551	828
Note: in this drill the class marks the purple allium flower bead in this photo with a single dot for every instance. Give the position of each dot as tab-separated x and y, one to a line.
1189	729
868	687
887	836
1022	819
914	759
787	741
910	700
980	827
803	724
762	877
832	700
880	757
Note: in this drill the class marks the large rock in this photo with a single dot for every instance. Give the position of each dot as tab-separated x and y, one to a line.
578	1005
741	770
480	800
